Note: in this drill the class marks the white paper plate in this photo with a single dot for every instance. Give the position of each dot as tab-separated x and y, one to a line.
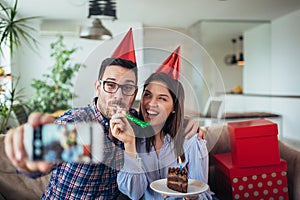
194	187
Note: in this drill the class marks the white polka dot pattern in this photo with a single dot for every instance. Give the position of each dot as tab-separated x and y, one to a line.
260	186
264	186
250	186
253	183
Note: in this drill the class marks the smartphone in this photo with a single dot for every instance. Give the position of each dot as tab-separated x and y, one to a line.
75	142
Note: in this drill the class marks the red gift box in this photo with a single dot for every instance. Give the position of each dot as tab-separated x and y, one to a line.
264	182
254	143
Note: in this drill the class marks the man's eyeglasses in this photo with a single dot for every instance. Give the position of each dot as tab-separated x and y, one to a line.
112	87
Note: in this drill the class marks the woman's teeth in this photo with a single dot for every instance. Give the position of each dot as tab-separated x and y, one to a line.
152	113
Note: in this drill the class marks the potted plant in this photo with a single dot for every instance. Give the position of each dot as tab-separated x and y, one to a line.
14	31
54	91
11	107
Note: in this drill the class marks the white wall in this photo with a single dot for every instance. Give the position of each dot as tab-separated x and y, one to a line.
285	80
276	86
257	67
29	65
159	43
285	54
216	36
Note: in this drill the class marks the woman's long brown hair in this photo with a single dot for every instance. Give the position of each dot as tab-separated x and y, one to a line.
174	123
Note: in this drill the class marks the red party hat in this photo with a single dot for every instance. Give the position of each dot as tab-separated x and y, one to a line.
125	50
171	66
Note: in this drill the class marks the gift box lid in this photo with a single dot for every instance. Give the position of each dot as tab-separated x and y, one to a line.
224	162
252	128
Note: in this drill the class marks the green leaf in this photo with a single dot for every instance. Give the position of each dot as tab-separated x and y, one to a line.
54	91
14	32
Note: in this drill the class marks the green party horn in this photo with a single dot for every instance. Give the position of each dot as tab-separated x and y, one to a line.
137	121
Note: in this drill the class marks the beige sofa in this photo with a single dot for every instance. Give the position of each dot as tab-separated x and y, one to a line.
16	186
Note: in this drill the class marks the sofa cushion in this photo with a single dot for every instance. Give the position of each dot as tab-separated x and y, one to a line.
218	140
292	156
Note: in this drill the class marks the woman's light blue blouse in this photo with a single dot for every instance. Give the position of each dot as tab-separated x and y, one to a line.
137	173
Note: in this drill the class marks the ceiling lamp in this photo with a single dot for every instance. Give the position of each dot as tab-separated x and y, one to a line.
102	8
231	59
96	32
99	8
241	61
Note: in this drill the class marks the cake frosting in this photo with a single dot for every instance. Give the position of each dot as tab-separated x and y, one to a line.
177	179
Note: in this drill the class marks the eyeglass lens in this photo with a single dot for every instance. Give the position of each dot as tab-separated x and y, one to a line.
112	87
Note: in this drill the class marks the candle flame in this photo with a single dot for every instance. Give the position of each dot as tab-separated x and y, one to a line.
179	160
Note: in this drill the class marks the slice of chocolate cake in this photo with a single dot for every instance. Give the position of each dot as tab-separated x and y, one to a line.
177	179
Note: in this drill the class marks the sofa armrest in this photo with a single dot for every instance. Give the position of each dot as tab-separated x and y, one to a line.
292	157
18	186
218	140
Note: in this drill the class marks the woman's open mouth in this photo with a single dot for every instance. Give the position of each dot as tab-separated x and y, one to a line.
151	114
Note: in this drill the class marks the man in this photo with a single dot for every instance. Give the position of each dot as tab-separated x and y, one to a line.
116	86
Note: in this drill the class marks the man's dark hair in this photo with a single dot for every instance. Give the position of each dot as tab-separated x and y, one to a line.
117	61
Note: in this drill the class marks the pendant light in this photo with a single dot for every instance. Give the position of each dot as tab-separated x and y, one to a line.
99	8
241	61
233	57
96	32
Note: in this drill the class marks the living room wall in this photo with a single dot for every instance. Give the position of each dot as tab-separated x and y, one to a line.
285	39
30	64
285	48
274	87
153	46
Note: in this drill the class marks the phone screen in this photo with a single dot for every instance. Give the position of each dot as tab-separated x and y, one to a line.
70	142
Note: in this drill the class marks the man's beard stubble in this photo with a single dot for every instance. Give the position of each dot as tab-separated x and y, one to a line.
112	107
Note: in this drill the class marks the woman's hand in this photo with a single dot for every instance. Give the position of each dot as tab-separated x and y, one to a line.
191	197
186	198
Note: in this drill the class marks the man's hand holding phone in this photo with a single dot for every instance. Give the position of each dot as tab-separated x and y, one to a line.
15	149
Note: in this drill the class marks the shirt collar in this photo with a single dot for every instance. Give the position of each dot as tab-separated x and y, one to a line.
167	139
99	116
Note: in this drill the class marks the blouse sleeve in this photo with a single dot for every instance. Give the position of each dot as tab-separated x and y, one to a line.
131	179
197	156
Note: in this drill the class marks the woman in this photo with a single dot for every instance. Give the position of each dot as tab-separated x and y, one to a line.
149	156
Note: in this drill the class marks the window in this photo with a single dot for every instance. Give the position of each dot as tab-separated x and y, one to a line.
5	73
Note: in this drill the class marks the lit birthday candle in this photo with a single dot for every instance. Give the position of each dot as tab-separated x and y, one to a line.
180	162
